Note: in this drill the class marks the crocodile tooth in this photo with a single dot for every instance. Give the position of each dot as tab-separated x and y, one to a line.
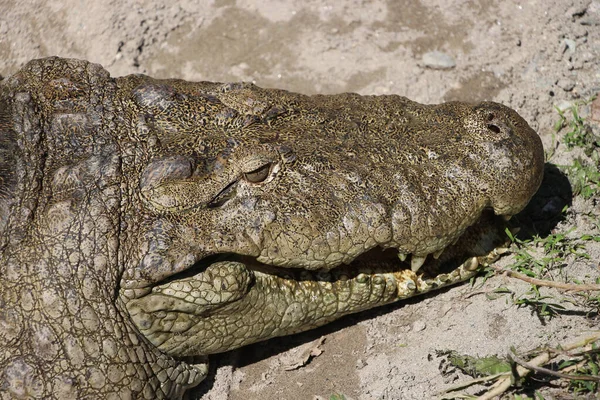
506	217
417	262
502	250
471	264
402	257
438	253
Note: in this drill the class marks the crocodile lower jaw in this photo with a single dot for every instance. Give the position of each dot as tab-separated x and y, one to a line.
225	301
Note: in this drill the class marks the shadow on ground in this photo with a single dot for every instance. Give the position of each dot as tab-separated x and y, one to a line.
545	210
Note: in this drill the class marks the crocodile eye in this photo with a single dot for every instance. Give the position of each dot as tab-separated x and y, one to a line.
259	174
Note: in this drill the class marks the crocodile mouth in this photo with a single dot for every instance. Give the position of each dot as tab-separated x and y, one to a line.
481	244
225	301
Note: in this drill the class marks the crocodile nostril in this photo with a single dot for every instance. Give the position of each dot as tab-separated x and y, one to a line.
490	116
494	128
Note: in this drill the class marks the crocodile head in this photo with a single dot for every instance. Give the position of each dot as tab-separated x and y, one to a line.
268	212
145	220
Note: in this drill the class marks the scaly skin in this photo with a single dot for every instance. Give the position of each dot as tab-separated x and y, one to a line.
144	220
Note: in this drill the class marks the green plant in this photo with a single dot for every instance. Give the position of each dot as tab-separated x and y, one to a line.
584	178
584	175
576	125
540	258
574	363
579	134
555	249
540	305
587	363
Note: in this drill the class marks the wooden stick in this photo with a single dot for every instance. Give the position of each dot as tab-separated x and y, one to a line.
541	282
502	385
547	371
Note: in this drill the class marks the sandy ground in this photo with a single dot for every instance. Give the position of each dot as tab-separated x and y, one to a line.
531	55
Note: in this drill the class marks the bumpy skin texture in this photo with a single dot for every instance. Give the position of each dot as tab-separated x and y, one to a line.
64	332
144	219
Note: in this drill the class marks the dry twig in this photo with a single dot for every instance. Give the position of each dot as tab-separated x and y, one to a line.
504	383
540	282
547	371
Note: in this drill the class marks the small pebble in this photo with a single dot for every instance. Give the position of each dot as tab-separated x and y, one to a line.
571	44
438	60
418	326
565	84
591	17
564	105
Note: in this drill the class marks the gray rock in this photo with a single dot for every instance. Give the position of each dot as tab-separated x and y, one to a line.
570	44
438	60
564	105
419	326
566	84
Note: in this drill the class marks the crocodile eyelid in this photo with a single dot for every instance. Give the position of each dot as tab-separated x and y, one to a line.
258	175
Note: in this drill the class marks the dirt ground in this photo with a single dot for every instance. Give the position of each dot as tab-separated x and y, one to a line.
531	55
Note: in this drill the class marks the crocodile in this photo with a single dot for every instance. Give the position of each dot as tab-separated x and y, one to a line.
146	222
